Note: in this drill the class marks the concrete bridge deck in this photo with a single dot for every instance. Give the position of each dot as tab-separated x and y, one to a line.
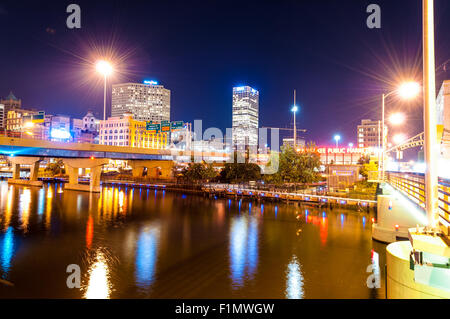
41	148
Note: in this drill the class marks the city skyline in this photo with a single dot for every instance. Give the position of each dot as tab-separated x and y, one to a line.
198	81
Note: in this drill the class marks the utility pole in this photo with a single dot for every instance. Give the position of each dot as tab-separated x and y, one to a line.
295	126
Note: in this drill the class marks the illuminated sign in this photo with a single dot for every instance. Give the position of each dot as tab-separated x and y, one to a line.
336	150
60	134
150	82
165	126
153	128
38	118
176	125
241	88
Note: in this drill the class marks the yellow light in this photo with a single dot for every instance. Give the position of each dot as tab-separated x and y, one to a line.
28	133
98	285
399	138
409	90
397	118
104	67
28	124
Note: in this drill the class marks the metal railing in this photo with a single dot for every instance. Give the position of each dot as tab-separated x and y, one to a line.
413	186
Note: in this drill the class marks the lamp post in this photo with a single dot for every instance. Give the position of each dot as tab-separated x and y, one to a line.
430	132
407	90
105	69
294	110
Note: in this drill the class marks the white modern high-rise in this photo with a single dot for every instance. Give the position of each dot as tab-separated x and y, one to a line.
147	102
245	116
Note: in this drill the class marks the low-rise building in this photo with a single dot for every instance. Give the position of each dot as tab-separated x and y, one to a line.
126	131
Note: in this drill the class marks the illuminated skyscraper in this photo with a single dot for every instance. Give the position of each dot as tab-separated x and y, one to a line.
147	102
245	116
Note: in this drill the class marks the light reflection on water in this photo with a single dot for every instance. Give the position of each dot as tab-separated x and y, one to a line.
251	255
146	255
243	249
99	286
7	251
294	280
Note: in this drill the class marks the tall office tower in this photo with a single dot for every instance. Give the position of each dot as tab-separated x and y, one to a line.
369	134
245	116
147	102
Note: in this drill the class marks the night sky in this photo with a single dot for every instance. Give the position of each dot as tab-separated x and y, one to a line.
201	49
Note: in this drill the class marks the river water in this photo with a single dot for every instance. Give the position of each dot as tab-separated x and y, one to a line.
132	243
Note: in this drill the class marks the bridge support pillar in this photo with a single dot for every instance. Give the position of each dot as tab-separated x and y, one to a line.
16	163
72	167
155	169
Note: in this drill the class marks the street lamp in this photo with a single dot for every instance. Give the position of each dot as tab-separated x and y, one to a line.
294	110
397	118
104	68
337	138
407	91
350	145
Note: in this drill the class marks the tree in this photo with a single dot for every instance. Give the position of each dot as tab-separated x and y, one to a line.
240	172
199	172
296	167
55	168
368	167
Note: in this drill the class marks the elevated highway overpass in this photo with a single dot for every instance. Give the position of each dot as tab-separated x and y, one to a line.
23	151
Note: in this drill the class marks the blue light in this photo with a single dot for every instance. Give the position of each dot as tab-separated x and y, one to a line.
150	82
7	250
146	254
60	134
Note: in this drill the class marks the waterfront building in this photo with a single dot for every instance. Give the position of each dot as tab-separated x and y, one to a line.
443	115
90	122
2	116
57	128
126	131
16	118
369	134
11	102
146	101
245	116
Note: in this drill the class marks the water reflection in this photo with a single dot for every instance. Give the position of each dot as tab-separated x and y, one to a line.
146	247
294	280
7	251
89	232
146	256
41	202
243	250
24	208
8	210
99	286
